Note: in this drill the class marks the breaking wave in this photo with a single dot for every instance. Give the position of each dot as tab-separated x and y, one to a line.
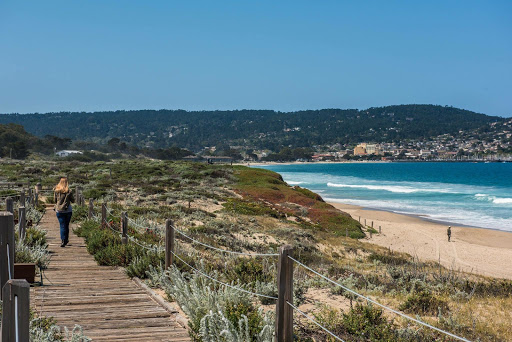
390	188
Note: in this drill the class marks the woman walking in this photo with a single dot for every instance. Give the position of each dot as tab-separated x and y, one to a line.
63	198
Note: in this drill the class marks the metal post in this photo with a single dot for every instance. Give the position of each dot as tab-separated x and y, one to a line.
380	230
124	225
284	312
91	209
22	221
9	205
169	243
6	247
16	311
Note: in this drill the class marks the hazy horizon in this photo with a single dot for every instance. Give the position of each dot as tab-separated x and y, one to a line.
236	109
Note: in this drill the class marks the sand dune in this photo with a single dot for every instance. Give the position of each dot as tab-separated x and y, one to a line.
482	251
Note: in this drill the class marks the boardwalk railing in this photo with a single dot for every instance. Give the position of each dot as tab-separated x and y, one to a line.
15	293
284	301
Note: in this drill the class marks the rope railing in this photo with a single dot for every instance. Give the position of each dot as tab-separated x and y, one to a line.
156	248
313	321
201	243
156	227
378	304
221	282
285	279
223	250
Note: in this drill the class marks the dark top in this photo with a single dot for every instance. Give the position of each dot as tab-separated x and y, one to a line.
63	201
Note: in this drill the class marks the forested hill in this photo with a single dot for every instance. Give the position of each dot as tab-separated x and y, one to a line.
254	128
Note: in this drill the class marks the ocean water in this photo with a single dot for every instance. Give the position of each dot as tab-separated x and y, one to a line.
473	194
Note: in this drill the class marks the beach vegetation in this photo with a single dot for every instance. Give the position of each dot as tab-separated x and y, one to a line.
254	211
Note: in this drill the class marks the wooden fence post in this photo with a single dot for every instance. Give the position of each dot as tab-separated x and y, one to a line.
80	196
124	225
22	221
30	201
91	209
22	198
103	214
6	247
169	243
9	205
380	230
16	310
284	312
77	195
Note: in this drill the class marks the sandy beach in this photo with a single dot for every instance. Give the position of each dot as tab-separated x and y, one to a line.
482	251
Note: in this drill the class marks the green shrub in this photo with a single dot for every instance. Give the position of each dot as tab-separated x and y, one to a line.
369	323
235	310
250	208
117	255
308	193
388	258
35	237
332	320
80	213
423	301
141	264
249	271
94	193
98	240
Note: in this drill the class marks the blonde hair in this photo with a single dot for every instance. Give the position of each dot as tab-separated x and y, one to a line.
63	185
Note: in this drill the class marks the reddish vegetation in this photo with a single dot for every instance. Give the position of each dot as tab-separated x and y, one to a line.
268	187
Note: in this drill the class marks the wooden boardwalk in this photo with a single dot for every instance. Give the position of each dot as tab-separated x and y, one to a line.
103	300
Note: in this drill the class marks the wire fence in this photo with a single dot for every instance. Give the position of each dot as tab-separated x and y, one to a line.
220	282
295	308
223	250
155	248
313	321
199	242
378	304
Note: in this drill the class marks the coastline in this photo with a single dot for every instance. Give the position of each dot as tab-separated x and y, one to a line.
259	163
476	250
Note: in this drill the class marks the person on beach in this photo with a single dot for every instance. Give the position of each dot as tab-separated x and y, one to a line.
63	198
449	232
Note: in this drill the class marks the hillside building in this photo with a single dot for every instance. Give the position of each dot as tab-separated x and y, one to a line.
364	149
65	153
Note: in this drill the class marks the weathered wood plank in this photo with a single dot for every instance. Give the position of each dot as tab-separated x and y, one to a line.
102	299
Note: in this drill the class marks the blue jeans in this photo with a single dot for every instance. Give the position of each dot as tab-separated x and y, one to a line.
64	219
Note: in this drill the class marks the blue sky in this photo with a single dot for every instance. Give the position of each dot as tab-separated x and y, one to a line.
282	55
